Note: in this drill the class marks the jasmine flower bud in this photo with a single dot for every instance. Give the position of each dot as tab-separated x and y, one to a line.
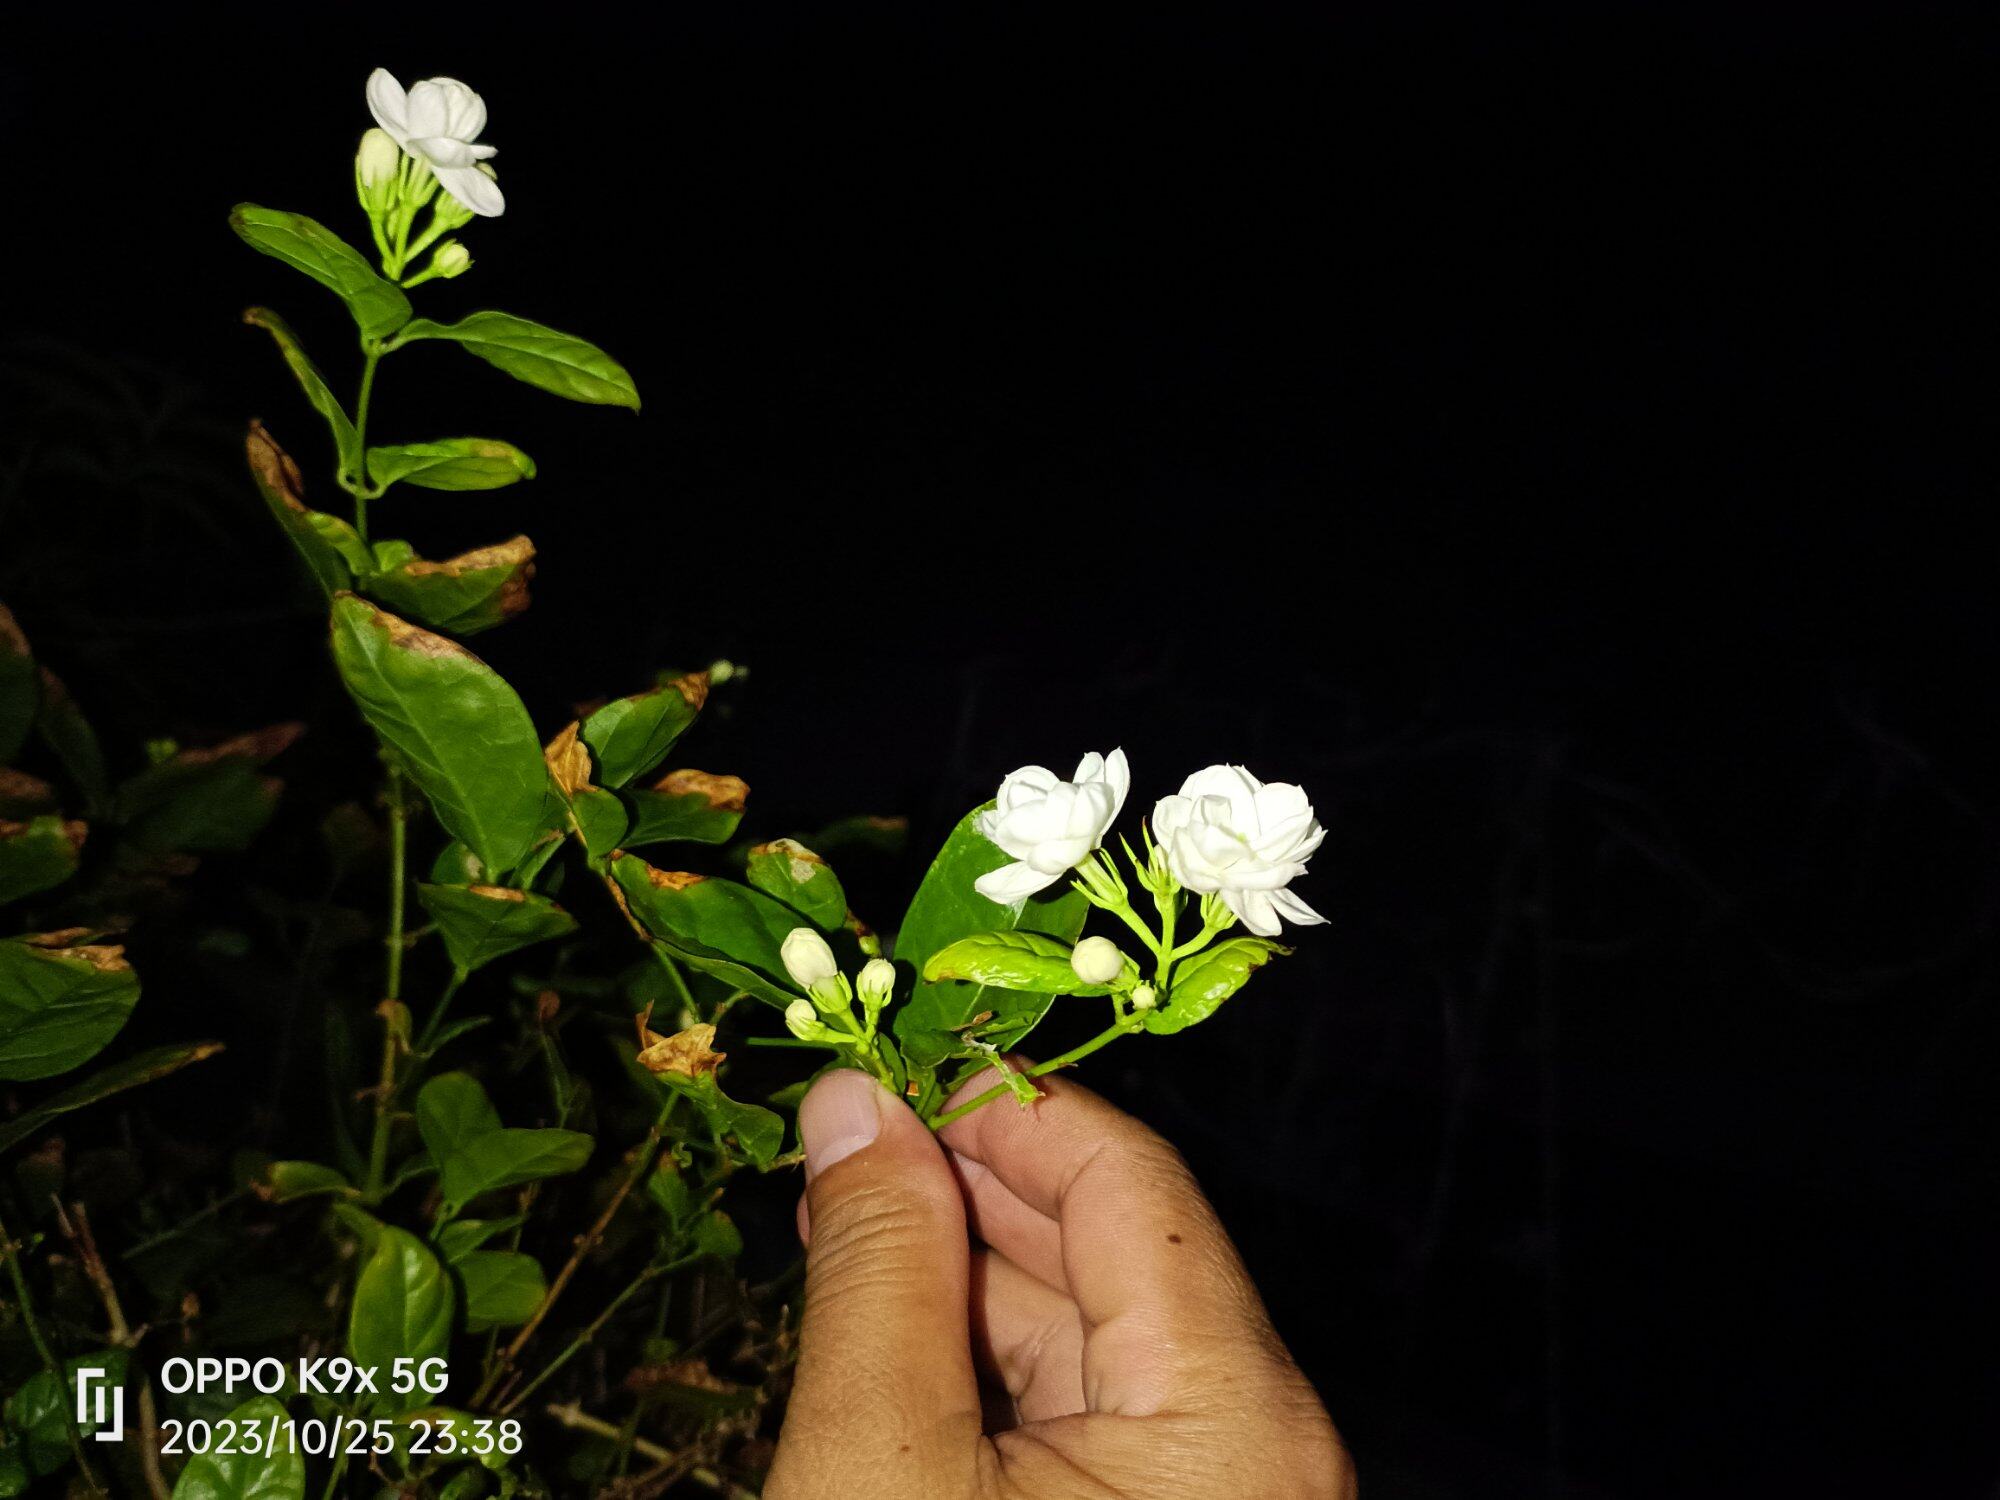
1097	960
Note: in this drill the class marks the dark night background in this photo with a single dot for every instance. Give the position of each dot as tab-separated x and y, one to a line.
1544	434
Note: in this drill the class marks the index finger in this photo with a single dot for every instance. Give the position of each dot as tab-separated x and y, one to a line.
1168	1309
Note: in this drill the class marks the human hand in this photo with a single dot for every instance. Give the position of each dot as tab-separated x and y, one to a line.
1125	1350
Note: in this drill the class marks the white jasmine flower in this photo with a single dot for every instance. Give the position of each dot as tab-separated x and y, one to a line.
438	122
807	958
1230	834
1050	825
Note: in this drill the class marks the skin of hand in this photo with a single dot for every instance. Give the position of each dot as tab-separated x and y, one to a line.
1034	1304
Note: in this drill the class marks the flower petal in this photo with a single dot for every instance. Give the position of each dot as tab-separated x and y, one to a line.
1013	883
474	189
1295	911
442	150
427	108
1253	909
464	110
389	104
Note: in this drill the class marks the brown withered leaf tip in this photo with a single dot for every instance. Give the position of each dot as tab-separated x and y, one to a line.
693	688
62	937
273	466
10	633
693	1374
106	958
803	862
673	880
73	829
20	787
498	892
516	555
547	1004
690	1053
569	760
259	745
413	639
724	793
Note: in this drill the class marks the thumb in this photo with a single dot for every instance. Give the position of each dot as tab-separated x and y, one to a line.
885	1403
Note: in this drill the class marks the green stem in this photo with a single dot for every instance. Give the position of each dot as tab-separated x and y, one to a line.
1103	1038
437	1012
358	485
399	828
49	1360
1123	911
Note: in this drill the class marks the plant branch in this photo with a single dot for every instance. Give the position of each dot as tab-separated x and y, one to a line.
577	1345
642	1162
12	1252
1076	1054
77	1232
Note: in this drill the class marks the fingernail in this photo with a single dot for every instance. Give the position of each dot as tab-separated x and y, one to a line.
842	1114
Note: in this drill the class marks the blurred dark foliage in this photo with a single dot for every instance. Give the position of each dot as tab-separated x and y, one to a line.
1545	435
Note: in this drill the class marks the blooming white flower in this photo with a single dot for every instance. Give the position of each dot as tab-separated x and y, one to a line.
1228	833
807	958
438	122
1050	825
1097	960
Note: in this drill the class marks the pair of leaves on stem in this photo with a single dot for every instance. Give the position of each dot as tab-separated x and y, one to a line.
466	594
543	357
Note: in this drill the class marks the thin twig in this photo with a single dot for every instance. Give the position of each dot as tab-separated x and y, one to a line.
642	1162
77	1231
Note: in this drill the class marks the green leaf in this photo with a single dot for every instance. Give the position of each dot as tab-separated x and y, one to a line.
686	806
788	870
63	728
480	923
332	550
450	464
629	736
599	820
1201	983
36	1408
757	1132
14	1475
141	1068
461	1237
346	441
211	801
1024	961
475	1154
37	854
285	1181
453	1111
379	307
498	1288
559	363
466	594
718	926
402	1310
947	908
20	687
455	725
277	1471
508	1158
60	1006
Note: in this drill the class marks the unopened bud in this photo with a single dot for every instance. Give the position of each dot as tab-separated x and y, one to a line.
807	958
1097	960
376	164
1144	998
876	983
803	1021
450	259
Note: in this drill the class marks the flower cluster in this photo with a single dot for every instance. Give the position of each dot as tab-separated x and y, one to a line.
425	138
831	994
1224	834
